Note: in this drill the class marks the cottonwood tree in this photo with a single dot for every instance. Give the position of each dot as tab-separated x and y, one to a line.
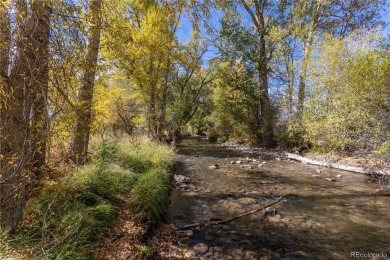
337	17
190	86
236	96
348	109
257	10
23	81
41	15
259	15
81	133
146	53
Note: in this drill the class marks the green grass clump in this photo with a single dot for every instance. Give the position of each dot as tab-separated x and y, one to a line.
68	217
143	155
150	195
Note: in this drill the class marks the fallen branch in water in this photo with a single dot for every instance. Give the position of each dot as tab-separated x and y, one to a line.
222	222
380	172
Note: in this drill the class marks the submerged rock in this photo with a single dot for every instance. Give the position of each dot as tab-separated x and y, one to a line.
181	179
270	211
189	255
252	194
200	248
189	232
215	166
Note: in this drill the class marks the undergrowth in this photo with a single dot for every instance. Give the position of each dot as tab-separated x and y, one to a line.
68	217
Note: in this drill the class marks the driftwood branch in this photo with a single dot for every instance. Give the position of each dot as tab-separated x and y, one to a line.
372	171
222	222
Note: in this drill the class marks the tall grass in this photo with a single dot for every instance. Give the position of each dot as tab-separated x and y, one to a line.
150	194
67	218
141	155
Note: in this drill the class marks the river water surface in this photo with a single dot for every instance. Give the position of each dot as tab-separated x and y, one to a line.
324	213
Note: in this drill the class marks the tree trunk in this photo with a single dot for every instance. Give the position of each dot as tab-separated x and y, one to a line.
303	74
290	84
8	205
307	47
266	112
40	43
5	41
15	112
162	125
81	132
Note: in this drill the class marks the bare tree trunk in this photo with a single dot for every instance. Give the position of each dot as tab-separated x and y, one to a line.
162	125
307	47
81	132
266	111
16	107
290	83
41	10
7	205
303	74
5	41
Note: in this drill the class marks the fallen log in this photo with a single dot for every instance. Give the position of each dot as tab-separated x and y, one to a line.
370	171
222	222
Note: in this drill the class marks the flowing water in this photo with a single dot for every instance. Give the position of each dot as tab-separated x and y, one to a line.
321	216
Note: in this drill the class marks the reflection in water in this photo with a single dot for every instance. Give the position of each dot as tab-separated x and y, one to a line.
316	219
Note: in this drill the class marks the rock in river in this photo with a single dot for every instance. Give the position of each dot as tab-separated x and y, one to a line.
201	248
215	166
190	255
180	179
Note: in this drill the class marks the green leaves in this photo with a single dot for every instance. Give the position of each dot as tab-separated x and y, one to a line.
348	104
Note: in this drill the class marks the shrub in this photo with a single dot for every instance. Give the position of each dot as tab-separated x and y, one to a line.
212	135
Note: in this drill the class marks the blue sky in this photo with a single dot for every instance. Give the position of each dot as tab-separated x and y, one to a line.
185	29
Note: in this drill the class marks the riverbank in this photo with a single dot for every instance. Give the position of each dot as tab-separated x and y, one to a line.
73	213
357	164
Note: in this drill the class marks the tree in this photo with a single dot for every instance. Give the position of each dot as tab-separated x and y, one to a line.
41	11
257	12
146	53
236	95
28	74
348	109
337	17
81	133
189	87
259	52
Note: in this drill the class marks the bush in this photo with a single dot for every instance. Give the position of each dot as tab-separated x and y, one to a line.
212	135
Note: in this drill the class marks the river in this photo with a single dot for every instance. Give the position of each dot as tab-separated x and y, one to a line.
324	213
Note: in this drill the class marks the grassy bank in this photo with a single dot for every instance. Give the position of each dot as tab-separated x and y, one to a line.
70	215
